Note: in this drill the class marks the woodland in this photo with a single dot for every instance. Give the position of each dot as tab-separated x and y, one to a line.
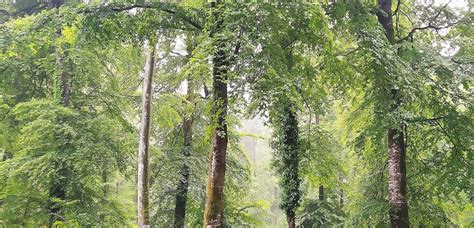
213	113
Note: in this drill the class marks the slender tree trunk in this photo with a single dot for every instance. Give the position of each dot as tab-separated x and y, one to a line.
321	193
213	213
182	189
395	138
105	188
341	199
142	178
65	80
321	197
276	213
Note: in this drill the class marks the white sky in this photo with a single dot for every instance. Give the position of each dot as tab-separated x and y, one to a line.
453	3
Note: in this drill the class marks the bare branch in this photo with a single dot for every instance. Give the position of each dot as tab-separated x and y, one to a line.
431	23
429	26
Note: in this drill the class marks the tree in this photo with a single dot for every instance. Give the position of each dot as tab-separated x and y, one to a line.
182	189
213	213
60	153
142	176
287	157
397	180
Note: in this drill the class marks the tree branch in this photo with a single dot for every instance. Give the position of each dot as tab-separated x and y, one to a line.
429	26
452	141
422	119
430	23
161	8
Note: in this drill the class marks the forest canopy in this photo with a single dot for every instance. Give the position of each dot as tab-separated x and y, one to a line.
218	113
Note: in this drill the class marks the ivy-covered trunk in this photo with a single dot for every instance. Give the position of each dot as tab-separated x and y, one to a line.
291	161
57	189
182	189
286	153
143	147
395	137
213	214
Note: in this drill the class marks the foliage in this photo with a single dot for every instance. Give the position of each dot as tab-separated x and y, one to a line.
290	63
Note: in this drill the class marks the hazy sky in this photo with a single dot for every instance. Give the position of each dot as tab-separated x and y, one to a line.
453	3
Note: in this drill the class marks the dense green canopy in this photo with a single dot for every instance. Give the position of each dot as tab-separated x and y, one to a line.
312	91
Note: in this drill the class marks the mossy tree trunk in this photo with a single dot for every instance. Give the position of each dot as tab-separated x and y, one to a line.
213	214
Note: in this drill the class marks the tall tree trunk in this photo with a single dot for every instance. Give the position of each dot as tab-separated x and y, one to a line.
290	160
213	213
142	178
182	189
395	138
57	188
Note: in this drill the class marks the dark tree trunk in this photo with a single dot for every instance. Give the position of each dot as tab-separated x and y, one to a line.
182	189
321	192
105	188
291	221
395	138
213	213
290	159
56	191
397	179
142	176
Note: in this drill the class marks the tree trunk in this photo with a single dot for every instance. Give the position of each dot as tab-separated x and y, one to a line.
397	179
213	213
321	192
56	192
291	222
290	159
57	188
395	138
65	80
182	189
142	179
341	199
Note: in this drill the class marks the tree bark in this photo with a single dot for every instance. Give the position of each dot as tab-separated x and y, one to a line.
397	179
395	138
142	178
291	222
182	189
213	213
